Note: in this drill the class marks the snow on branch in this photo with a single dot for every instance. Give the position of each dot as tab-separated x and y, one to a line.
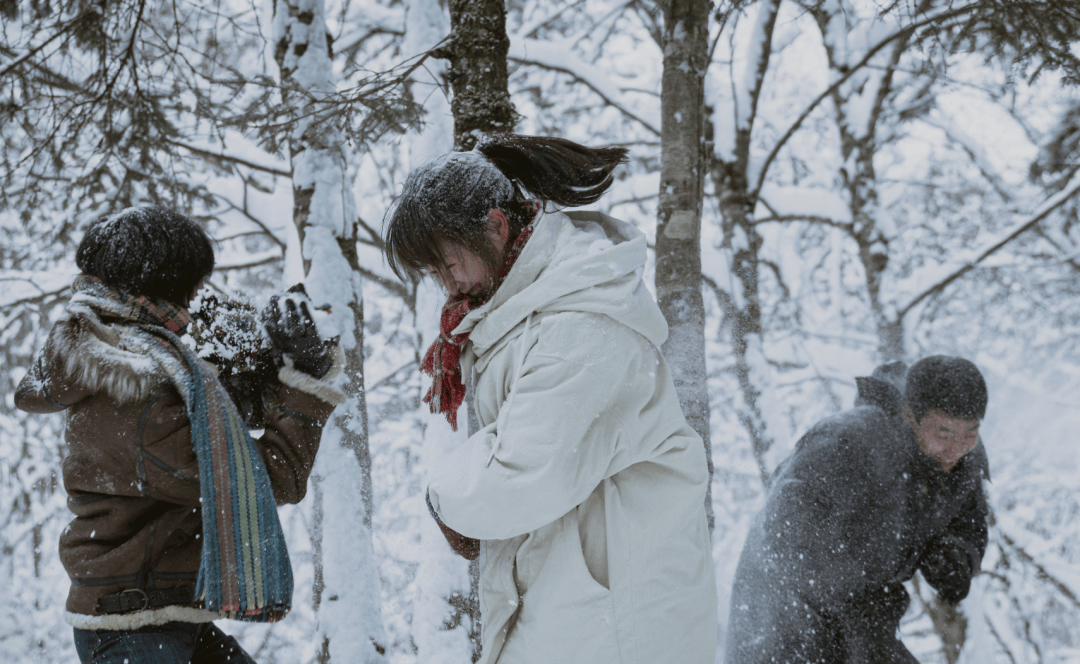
1044	210
933	19
1046	571
554	57
271	165
975	150
24	288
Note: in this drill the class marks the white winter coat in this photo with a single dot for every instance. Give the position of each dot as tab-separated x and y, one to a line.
595	547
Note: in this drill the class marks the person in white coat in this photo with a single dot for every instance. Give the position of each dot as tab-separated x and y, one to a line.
584	488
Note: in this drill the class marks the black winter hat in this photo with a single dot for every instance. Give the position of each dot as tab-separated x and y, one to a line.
147	250
953	385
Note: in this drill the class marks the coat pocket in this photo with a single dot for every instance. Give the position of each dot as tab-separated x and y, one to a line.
577	567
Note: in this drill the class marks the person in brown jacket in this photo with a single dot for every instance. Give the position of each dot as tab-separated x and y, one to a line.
175	521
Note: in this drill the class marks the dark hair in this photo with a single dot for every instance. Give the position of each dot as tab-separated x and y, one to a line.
952	385
447	200
147	250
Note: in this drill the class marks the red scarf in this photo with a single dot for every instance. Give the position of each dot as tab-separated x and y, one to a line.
447	388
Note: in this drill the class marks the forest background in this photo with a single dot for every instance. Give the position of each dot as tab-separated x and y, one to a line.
825	184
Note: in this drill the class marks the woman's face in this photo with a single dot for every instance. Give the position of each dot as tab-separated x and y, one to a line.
466	273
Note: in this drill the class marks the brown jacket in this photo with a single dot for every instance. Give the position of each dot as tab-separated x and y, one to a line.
131	474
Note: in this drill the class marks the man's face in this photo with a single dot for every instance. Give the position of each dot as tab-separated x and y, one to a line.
944	438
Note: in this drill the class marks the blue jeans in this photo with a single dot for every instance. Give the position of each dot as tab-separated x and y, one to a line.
171	643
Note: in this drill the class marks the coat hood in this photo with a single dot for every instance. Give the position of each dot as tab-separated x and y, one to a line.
575	261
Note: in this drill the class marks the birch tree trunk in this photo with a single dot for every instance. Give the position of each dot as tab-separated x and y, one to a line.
678	223
347	590
478	70
729	170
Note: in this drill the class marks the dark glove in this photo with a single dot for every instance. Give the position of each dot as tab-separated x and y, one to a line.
293	332
466	547
946	566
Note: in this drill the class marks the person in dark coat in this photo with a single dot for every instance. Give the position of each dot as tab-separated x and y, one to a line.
175	522
869	496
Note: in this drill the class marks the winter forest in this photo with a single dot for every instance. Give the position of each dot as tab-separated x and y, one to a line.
825	185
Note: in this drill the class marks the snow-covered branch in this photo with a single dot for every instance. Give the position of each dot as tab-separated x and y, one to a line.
1051	204
1042	570
936	18
34	299
555	58
221	155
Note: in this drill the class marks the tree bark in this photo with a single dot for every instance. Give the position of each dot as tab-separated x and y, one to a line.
478	70
348	591
678	223
480	104
454	601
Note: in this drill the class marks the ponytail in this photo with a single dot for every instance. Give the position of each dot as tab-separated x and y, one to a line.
553	169
447	200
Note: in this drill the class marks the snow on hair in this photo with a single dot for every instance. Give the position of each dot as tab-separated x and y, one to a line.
447	200
952	385
147	250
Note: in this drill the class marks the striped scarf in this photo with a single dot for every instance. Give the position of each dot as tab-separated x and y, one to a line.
244	572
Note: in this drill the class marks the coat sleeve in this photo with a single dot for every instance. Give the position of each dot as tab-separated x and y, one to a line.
558	440
294	426
951	560
823	522
46	387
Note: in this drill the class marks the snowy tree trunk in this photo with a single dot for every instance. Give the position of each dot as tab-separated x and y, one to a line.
729	169
857	121
678	223
348	592
478	70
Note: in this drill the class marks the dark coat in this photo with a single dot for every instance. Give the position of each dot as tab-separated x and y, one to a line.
853	512
131	473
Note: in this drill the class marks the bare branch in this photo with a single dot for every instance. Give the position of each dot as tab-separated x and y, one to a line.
809	218
376	239
394	287
34	51
264	260
254	220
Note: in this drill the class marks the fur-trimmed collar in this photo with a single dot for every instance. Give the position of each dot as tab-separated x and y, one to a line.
93	357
